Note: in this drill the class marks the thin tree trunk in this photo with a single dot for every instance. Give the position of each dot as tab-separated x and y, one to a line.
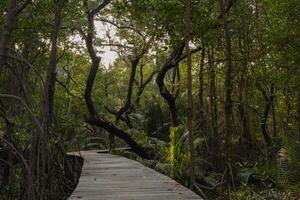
188	18
49	90
263	123
143	85
274	120
228	78
40	160
201	87
7	29
246	139
7	167
246	136
265	115
298	110
213	140
128	103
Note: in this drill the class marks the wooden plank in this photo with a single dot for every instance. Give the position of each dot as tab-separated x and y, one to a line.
115	149
112	177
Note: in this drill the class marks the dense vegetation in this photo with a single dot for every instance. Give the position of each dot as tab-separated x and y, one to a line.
207	92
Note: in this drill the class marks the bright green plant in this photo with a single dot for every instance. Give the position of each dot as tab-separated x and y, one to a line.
177	154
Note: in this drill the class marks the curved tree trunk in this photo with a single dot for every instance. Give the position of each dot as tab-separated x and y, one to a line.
166	94
265	114
127	105
143	84
263	123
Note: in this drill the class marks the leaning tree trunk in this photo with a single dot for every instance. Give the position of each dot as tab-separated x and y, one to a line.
265	114
172	62
166	94
128	104
263	123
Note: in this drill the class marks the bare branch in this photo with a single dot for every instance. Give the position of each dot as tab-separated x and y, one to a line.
121	26
66	89
100	7
116	45
23	6
22	59
36	121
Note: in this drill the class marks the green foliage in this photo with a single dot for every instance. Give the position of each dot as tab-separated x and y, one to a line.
265	46
290	157
177	154
249	193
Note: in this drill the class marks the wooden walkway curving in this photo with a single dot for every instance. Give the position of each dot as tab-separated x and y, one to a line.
112	177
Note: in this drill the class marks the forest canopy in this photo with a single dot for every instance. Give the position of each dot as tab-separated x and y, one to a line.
206	92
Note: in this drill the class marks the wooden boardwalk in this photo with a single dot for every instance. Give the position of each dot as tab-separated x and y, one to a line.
112	177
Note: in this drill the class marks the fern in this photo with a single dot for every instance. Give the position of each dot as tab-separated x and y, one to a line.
291	157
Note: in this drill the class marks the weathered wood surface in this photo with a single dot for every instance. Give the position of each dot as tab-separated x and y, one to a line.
112	177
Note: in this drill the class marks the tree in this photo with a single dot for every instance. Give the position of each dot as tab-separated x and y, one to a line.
94	118
188	16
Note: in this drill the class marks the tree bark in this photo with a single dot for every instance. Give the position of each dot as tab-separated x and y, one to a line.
298	110
188	20
228	77
128	103
213	140
143	84
40	153
7	29
263	123
171	62
246	135
8	157
274	120
49	90
201	88
265	114
246	139
11	14
116	131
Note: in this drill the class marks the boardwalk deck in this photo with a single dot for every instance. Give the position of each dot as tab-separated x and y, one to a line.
112	177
